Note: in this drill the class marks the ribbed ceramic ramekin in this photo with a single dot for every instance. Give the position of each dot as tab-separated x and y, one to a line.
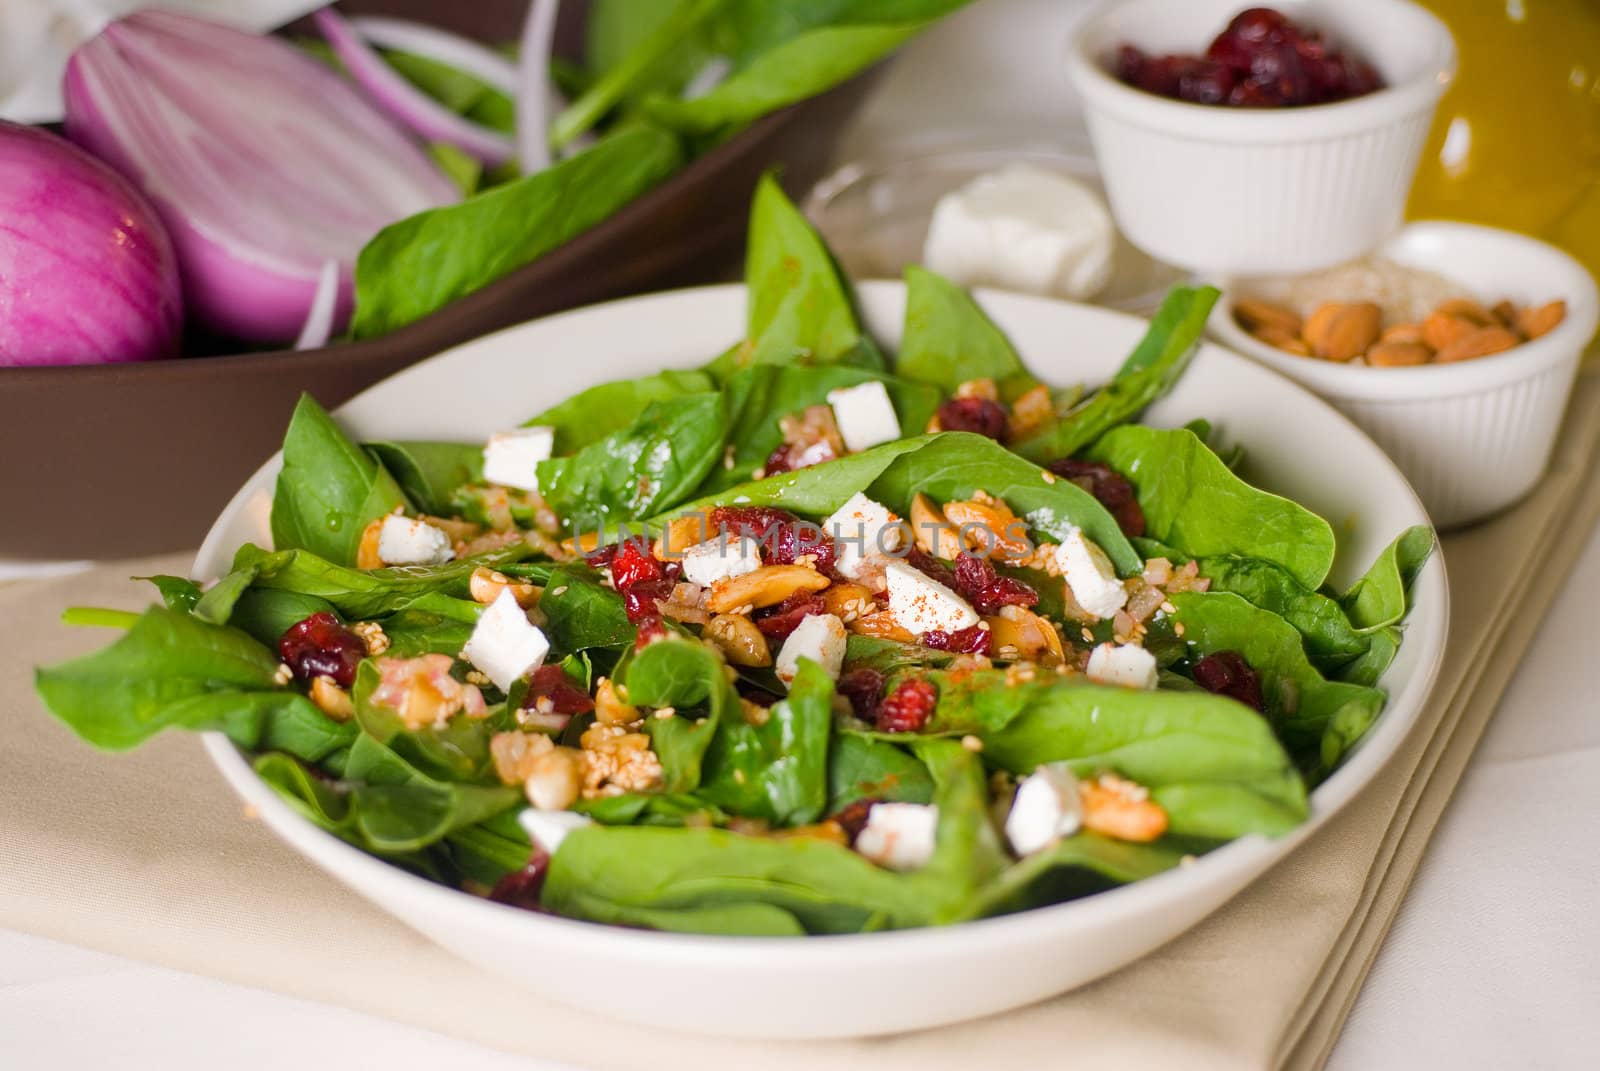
1473	436
1258	190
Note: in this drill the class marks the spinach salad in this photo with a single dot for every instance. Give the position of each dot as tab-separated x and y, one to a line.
809	640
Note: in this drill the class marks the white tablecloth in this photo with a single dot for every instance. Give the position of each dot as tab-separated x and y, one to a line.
1491	963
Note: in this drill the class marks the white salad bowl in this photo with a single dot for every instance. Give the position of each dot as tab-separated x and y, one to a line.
1472	436
822	987
1260	189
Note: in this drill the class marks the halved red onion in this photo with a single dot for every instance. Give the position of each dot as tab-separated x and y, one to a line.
319	321
420	39
534	97
263	163
408	104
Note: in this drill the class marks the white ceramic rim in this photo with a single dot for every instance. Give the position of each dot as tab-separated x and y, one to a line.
1419	93
1567	279
861	951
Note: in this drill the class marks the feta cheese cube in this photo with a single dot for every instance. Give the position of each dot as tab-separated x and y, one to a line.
865	415
1090	575
547	829
504	644
819	637
1125	664
511	458
1023	228
919	604
1045	808
862	531
899	836
720	559
408	541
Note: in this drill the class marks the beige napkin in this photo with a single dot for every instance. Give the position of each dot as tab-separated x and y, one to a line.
149	855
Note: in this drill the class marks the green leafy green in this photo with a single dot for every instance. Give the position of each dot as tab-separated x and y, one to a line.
430	472
364	593
948	340
178	592
582	614
861	767
1023	884
593	414
690	678
775	768
1330	640
1378	599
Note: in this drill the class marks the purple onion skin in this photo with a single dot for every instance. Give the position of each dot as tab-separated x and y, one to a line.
88	274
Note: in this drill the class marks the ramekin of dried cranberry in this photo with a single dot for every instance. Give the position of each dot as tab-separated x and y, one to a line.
1311	167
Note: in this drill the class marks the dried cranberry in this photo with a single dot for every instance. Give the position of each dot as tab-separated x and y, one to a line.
321	646
1109	487
852	818
1129	66
1279	69
777	462
640	598
633	565
553	684
522	888
1261	24
784	538
1227	673
601	557
908	708
864	688
974	640
1206	82
930	567
987	590
649	628
780	620
978	415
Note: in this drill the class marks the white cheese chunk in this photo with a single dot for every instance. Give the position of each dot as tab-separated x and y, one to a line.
547	829
1125	664
899	836
504	644
1023	228
920	604
408	541
865	415
819	637
720	559
1090	575
863	531
1045	808
511	458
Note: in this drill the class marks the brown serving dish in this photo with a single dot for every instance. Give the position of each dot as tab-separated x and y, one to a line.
112	461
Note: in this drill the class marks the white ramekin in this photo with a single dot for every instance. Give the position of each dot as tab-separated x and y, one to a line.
1475	436
1254	191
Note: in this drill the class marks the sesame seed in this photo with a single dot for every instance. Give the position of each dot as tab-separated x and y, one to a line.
558	592
972	743
1088	636
1049	477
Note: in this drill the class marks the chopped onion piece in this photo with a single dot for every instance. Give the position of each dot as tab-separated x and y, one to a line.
408	104
430	42
533	98
319	321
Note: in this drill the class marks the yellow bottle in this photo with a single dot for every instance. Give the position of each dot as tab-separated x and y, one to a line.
1516	142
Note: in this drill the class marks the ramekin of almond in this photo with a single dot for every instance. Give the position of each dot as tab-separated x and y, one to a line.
1454	346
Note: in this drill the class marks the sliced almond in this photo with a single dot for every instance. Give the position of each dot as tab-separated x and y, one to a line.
882	625
1018	634
740	642
1440	329
1348	332
331	699
766	586
1480	342
610	708
848	601
1255	316
682	532
1534	322
1398	354
989	528
932	532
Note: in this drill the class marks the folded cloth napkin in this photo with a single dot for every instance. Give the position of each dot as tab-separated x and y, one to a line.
150	856
37	36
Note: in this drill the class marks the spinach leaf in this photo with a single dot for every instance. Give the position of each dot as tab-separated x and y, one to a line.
1378	599
1330	641
591	415
216	605
170	669
689	677
364	593
1212	763
1023	884
815	491
419	632
267	613
457	751
1192	501
1150	370
890	656
178	592
329	490
423	262
651	809
775	768
430	472
652	465
281	721
397	808
1300	700
458	90
948	340
861	767
582	614
1382	645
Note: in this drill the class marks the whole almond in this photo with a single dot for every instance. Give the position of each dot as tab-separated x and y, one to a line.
1479	342
1505	312
1467	309
1398	354
1349	332
1534	322
1315	331
1440	329
1277	337
1402	333
1256	316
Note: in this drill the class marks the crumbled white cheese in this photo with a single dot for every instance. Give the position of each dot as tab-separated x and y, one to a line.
726	556
862	531
1045	807
511	458
865	415
1090	575
504	644
1125	664
408	541
547	829
1023	228
819	637
920	604
899	836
